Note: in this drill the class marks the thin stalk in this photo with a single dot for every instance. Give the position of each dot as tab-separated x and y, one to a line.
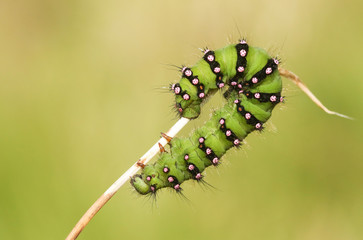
293	77
103	199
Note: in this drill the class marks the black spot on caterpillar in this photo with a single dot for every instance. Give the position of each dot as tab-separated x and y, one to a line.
254	89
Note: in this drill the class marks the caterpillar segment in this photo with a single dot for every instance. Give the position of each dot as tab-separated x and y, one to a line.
214	71
249	105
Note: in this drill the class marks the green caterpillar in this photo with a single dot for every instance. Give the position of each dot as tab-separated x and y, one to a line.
254	89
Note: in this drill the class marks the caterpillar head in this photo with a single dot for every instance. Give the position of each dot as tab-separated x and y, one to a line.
140	185
149	181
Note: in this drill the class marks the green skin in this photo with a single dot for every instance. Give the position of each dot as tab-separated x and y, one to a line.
227	58
153	176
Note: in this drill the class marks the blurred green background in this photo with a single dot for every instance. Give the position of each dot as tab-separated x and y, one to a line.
81	100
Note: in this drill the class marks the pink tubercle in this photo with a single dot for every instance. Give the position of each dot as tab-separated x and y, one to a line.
148	178
201	95
170	179
248	116
177	90
165	170
221	85
198	176
282	99
254	80
180	110
268	71
236	142
173	86
210	58
257	95
186	157
177	187
221	121
240	69
152	188
191	167
233	83
258	125
201	140
215	160
276	61
228	133
236	101
243	53
208	151
195	81
188	73
186	96
217	69
243	41
240	86
273	98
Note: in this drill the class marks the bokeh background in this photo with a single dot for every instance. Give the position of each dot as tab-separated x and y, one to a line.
82	98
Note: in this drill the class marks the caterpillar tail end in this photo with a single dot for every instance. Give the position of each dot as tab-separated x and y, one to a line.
139	185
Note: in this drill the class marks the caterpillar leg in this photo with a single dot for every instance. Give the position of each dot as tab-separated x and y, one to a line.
141	164
293	77
162	149
167	138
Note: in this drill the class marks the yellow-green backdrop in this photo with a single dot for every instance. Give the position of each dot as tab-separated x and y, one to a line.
81	99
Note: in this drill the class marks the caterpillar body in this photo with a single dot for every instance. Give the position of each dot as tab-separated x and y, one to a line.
254	89
252	83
